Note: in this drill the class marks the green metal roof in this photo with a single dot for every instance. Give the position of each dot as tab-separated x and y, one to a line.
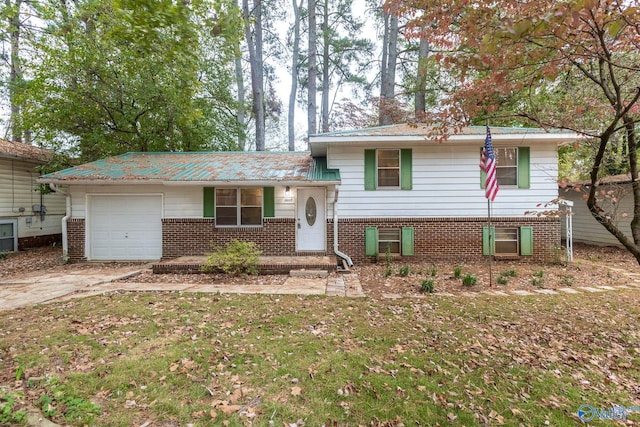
201	167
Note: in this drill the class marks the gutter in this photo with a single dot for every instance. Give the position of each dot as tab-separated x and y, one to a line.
335	232
65	218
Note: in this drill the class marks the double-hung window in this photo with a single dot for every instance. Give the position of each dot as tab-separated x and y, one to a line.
237	207
398	241
507	241
512	167
388	169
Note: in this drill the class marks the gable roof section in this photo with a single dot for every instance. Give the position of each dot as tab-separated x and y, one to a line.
200	167
21	151
422	134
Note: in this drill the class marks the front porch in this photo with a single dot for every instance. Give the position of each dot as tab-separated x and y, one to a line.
268	264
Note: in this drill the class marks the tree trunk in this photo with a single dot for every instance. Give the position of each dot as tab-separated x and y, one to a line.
388	79
421	80
241	101
254	44
325	67
313	71
15	71
294	74
600	215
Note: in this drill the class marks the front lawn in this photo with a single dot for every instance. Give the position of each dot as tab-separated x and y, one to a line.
173	359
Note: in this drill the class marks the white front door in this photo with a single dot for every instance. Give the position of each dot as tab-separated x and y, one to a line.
311	219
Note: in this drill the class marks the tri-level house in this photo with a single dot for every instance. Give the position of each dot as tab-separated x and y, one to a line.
356	194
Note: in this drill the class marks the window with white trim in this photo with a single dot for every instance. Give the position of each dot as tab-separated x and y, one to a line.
389	238
506	241
388	168
238	207
506	166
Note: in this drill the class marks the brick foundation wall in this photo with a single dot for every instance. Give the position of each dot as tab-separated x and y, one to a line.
75	239
39	241
445	239
449	239
197	236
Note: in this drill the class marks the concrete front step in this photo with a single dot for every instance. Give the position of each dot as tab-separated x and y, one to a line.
309	273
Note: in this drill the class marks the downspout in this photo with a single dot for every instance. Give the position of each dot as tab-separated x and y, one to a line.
335	231
65	218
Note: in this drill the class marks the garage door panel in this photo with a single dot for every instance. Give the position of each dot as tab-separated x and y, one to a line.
125	227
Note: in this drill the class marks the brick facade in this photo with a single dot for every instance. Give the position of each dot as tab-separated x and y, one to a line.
444	239
197	236
75	239
449	239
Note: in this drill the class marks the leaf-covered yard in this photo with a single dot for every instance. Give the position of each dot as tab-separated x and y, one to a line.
163	359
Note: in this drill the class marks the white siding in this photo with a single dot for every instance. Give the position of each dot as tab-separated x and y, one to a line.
585	227
179	201
446	183
18	190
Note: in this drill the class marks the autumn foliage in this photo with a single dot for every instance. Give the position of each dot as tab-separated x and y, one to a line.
568	65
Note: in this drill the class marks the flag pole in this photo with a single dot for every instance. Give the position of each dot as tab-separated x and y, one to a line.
491	243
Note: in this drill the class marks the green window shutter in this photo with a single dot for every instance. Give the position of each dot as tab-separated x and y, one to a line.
371	241
406	167
369	169
269	201
526	240
407	241
209	202
524	159
483	174
488	241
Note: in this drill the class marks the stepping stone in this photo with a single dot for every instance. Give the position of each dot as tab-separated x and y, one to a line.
497	293
569	290
589	289
624	287
607	288
546	291
521	292
391	296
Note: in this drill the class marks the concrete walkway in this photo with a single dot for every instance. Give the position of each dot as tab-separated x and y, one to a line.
45	287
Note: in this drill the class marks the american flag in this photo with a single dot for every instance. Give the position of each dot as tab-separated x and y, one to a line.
488	166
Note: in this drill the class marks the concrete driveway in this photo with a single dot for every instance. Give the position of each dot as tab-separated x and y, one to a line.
38	288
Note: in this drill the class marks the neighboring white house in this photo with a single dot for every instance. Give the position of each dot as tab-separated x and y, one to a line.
357	194
585	227
27	217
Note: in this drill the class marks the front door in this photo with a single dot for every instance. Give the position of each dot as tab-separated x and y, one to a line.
311	219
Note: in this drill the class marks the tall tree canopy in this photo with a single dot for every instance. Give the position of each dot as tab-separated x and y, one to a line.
571	64
121	75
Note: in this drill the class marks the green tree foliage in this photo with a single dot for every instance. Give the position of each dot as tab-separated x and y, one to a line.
128	75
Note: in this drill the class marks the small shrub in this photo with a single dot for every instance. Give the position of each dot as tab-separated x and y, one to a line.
388	272
387	256
567	280
502	280
434	270
539	273
236	258
509	273
457	272
3	255
537	281
404	271
469	280
427	286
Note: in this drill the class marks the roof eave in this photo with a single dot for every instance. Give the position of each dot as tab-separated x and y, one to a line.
169	183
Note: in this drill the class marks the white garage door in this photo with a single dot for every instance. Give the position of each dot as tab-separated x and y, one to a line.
125	227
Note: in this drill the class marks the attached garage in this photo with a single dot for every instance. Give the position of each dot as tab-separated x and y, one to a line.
124	227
